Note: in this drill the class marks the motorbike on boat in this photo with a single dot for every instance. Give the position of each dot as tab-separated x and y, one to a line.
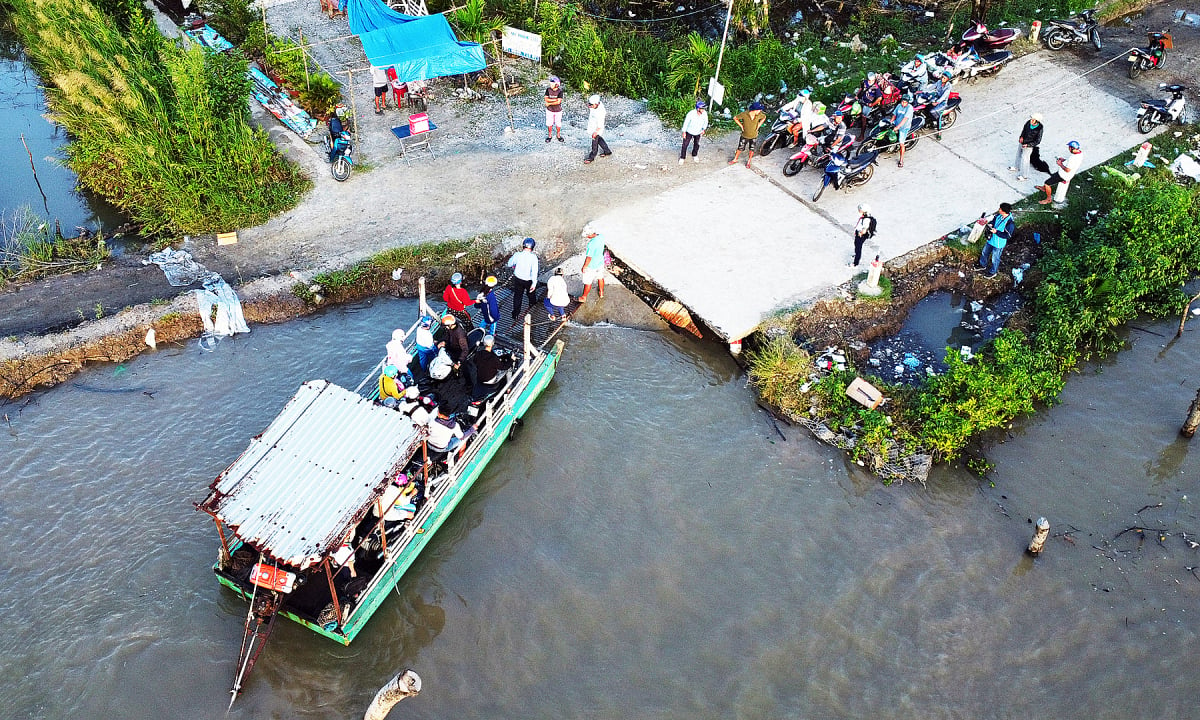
1151	57
1061	33
842	171
1159	112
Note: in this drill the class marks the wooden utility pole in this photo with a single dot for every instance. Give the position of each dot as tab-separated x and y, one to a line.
1193	418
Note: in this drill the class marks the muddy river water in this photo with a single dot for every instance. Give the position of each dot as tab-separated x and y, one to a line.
649	547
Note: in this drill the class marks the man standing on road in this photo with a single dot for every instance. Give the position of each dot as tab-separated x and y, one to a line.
595	128
694	126
379	79
1066	170
593	264
554	100
1027	144
864	229
524	280
749	122
901	121
999	231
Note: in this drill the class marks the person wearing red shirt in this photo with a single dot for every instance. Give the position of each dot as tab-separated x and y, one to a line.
458	300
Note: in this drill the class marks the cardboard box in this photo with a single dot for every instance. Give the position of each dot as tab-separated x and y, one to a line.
229	238
864	393
418	123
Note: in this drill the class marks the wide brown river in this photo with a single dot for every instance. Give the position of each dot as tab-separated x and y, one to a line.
648	547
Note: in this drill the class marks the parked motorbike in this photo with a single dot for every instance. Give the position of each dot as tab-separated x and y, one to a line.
1153	56
341	153
986	41
817	152
1061	33
965	63
780	135
847	172
1159	112
883	138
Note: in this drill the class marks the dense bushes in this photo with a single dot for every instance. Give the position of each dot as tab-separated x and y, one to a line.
156	130
1134	260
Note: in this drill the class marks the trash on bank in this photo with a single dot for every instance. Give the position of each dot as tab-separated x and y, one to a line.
217	303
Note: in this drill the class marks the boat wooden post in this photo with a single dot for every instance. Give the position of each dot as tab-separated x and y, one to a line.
425	462
525	349
382	534
1039	537
337	606
225	557
1193	418
421	306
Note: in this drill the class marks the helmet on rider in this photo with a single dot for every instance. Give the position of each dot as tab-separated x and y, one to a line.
529	243
491	281
1074	146
700	105
456	279
594	100
426	321
864	209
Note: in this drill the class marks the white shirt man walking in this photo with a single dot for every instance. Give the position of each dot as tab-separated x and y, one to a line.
694	126
595	128
525	277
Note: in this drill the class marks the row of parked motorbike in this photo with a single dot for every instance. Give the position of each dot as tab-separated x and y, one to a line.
849	160
980	53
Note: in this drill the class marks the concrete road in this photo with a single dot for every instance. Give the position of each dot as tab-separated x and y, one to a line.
737	246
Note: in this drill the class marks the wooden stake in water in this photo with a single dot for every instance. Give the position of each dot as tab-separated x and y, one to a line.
404	685
1039	537
1193	418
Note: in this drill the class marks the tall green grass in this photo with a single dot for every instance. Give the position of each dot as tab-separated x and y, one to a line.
151	124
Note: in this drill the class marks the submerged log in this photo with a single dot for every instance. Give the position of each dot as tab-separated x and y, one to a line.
1039	537
1193	418
405	684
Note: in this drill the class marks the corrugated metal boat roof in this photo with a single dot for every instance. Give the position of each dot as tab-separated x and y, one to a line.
312	473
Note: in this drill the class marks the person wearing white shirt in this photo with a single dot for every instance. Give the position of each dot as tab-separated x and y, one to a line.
557	298
523	283
595	128
1066	170
694	126
379	79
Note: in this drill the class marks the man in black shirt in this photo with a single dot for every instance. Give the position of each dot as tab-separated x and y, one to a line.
488	369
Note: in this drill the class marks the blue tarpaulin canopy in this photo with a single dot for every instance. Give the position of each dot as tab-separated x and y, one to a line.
419	48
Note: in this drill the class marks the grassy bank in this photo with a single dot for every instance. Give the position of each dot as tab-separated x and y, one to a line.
1097	272
160	132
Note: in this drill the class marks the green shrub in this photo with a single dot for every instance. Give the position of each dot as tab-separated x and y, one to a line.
236	20
227	83
321	96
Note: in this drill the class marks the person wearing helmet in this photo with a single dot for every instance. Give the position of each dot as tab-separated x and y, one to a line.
1027	145
454	340
390	391
694	125
489	305
554	101
424	343
939	97
836	130
595	128
336	131
489	368
901	122
458	300
525	277
864	229
749	122
1067	167
915	74
397	354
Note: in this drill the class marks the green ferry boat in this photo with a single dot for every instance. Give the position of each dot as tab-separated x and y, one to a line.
301	515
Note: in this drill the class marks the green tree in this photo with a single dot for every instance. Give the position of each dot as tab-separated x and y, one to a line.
474	24
694	62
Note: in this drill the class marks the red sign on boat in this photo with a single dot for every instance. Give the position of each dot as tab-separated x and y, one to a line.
273	578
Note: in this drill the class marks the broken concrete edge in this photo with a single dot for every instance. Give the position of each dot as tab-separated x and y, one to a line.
40	362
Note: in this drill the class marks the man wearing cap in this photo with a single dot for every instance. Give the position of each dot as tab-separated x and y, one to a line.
524	280
915	74
1066	170
458	300
999	230
864	229
554	100
694	125
1027	144
595	128
749	121
593	263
